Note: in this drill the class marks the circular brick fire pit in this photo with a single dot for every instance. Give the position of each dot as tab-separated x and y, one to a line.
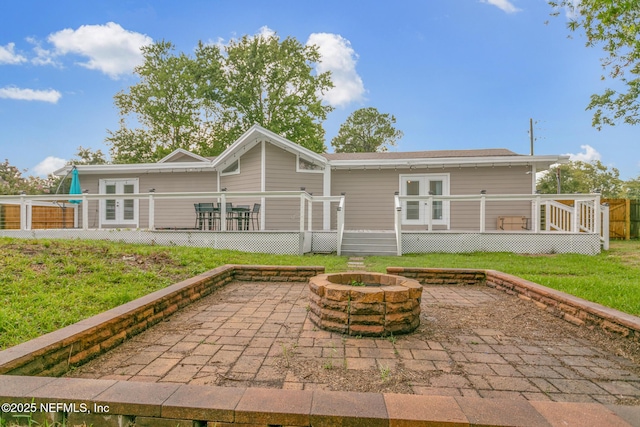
368	304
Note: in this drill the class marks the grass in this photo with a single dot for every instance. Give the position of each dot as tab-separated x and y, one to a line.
48	284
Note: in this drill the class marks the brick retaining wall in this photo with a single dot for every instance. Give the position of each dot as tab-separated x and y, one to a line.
568	307
153	404
54	353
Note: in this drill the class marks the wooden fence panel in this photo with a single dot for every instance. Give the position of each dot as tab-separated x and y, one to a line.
634	219
42	217
618	214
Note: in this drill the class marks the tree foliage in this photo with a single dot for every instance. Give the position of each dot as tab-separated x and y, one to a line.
12	181
615	26
366	130
203	103
582	177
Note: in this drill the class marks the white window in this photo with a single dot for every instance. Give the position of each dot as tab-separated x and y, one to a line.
417	212
232	169
120	210
305	165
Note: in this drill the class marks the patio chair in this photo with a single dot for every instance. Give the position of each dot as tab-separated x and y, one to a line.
208	212
255	216
242	213
200	217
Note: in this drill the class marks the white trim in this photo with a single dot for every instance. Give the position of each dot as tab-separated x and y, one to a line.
119	197
514	160
138	168
181	151
256	133
298	157
234	172
326	205
263	182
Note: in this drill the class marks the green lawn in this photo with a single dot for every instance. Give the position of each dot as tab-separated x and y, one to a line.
49	284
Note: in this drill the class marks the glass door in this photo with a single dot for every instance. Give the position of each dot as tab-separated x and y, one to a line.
417	212
119	210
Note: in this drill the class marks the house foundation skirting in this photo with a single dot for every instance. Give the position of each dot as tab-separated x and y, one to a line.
295	242
525	243
275	242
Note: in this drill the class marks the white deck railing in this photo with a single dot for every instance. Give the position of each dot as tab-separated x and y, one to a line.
306	201
583	213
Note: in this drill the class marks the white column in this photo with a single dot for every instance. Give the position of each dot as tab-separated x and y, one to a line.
326	205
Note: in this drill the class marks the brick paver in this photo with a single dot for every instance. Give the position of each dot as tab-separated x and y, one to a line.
246	333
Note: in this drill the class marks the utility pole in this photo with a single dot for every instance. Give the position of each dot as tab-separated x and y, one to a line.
531	134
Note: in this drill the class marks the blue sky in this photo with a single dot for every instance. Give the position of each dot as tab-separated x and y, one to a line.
456	74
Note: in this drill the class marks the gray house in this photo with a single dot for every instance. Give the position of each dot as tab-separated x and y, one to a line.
272	195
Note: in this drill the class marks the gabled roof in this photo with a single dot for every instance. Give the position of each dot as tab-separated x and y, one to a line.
182	155
256	134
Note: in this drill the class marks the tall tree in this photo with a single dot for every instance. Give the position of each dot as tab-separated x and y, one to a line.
366	130
614	25
582	177
203	103
268	81
165	106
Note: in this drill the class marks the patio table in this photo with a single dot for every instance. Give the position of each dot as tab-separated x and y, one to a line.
241	216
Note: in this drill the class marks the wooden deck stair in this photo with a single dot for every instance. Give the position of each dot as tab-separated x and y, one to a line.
369	243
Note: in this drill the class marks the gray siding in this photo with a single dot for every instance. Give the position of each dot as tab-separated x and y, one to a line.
369	197
370	202
247	180
178	213
281	175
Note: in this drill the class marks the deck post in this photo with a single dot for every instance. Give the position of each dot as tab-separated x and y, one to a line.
85	212
152	212
302	211
24	213
429	213
605	226
309	214
223	212
536	215
596	215
577	213
483	207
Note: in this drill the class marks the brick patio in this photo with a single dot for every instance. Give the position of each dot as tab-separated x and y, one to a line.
241	335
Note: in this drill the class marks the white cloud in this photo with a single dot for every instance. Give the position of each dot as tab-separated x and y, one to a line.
504	5
110	48
338	56
50	95
590	154
49	165
8	56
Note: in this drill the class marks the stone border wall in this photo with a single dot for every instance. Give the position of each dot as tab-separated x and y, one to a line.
109	403
568	307
54	353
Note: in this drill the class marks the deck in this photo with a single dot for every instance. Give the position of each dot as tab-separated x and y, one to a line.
547	224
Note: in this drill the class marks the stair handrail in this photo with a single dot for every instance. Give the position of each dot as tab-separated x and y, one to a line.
560	216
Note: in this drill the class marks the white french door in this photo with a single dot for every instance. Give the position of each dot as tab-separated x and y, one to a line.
418	212
119	210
